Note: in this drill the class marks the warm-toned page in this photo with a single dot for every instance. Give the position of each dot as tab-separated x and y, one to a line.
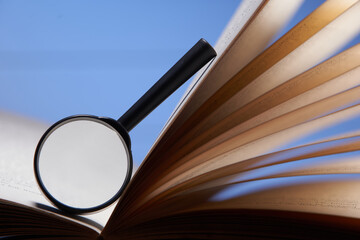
348	162
324	164
253	144
250	43
336	86
309	87
245	46
242	15
234	52
138	186
332	87
254	21
333	194
339	155
297	37
264	28
318	75
306	55
311	52
229	224
329	194
256	147
336	155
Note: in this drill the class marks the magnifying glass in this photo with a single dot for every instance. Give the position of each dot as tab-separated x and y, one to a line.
83	163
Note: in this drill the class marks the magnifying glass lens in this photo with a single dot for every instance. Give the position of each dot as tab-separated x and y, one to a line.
83	163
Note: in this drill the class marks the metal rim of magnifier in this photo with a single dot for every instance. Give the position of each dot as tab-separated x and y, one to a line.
105	121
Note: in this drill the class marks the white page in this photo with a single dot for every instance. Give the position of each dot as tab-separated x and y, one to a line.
18	139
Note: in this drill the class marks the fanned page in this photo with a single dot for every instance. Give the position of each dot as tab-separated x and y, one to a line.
232	43
265	138
23	209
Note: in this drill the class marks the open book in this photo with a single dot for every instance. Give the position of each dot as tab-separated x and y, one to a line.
265	144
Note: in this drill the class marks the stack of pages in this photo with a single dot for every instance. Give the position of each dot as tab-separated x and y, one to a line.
265	144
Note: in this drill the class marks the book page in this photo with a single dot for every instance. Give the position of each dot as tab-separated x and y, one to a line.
340	163
252	149
332	194
301	39
246	26
247	34
320	76
285	128
310	53
18	139
337	155
326	79
327	194
242	15
166	146
330	88
338	85
279	63
248	43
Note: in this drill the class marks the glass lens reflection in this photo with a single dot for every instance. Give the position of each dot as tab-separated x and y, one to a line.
83	162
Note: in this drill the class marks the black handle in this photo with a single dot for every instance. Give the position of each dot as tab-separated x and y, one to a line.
200	54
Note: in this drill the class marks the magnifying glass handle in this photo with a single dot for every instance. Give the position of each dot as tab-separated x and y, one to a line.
200	54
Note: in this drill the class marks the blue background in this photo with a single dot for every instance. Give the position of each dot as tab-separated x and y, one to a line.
59	58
